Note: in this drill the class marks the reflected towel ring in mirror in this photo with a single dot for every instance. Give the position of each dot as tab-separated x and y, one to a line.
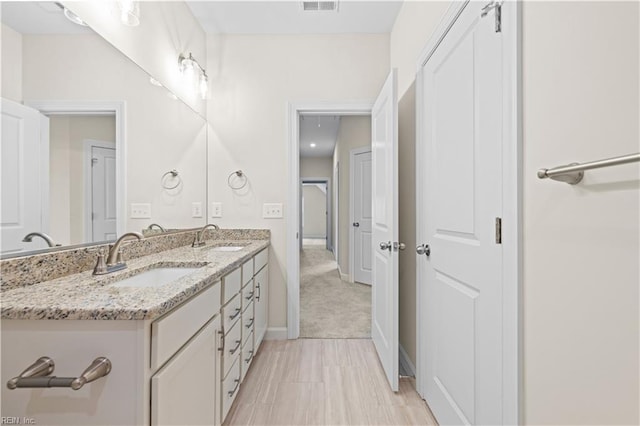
240	176
174	176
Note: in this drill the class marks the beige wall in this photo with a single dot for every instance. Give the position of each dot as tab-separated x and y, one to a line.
167	29
314	223
317	167
253	78
11	82
581	248
354	132
66	174
413	28
162	134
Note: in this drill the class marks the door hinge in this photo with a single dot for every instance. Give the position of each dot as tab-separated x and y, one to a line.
93	215
498	230
497	7
93	161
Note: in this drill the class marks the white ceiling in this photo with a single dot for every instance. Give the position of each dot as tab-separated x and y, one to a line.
287	17
39	17
324	135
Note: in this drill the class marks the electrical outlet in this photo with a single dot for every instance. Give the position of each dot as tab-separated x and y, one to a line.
272	210
196	209
140	211
216	209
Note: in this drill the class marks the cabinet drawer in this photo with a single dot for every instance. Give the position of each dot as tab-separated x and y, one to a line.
247	272
247	296
231	312
230	388
260	260
232	347
171	332
231	284
248	322
247	356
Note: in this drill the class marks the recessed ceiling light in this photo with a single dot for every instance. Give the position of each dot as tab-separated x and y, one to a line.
72	16
312	145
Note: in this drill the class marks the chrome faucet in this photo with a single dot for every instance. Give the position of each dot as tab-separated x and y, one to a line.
197	241
114	258
29	237
155	225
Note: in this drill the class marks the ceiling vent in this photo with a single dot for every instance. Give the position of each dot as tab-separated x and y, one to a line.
320	6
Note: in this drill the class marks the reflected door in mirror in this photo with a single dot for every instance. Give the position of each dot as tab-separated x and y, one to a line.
103	191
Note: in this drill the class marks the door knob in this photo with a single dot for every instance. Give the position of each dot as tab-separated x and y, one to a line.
399	246
356	224
385	246
424	249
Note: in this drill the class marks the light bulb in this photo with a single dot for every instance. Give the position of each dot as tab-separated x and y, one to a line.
204	86
129	12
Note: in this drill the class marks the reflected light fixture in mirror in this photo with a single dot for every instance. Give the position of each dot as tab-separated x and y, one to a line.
71	16
129	11
195	76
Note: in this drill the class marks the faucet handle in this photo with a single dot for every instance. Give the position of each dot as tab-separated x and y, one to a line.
101	266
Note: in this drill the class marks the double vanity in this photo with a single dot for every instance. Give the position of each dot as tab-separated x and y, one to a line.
180	327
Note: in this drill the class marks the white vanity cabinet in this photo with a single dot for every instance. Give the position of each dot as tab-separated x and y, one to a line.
261	284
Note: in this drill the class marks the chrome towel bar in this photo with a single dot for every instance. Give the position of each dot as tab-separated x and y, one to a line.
573	173
37	375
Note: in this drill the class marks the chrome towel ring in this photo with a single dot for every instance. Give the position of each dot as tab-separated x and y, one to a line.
240	176
175	176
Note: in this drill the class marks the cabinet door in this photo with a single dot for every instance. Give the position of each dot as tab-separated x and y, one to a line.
261	302
184	390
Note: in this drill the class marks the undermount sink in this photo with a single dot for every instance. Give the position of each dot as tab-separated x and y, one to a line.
156	277
227	248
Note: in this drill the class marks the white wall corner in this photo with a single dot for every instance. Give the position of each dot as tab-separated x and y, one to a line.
276	333
405	362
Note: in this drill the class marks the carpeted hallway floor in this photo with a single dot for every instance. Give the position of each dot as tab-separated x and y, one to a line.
329	307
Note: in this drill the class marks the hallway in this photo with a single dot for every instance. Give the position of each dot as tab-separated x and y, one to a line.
324	382
330	307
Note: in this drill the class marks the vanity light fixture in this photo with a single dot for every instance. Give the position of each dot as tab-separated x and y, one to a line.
129	11
71	16
194	74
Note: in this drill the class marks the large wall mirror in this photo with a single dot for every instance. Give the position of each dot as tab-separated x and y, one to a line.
92	146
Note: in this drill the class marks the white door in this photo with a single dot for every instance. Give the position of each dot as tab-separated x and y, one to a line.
384	293
461	199
183	392
103	215
24	153
362	248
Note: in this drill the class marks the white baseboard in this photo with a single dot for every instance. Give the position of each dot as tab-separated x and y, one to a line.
276	333
344	277
406	363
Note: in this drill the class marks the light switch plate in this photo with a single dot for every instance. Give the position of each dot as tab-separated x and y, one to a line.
196	209
272	210
216	209
140	211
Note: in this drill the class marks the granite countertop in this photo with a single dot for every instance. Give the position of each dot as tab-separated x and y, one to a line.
83	296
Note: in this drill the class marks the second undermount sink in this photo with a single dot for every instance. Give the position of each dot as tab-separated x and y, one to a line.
156	277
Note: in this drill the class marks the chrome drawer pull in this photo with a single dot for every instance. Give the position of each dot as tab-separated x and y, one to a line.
233	351
248	360
250	296
37	375
234	316
231	392
222	339
250	324
259	292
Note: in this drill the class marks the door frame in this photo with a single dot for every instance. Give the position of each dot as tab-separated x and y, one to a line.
293	112
87	183
352	231
325	181
512	365
117	108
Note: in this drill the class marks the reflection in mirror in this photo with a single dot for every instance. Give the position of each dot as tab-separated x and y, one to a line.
88	138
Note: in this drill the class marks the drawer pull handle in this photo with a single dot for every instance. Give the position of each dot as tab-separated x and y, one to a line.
234	316
259	292
222	339
250	324
235	388
250	296
248	360
233	351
